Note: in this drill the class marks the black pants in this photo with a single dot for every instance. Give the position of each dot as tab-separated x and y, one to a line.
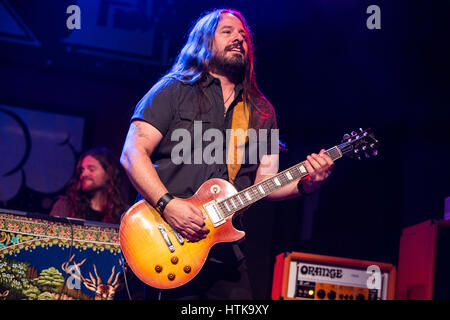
216	281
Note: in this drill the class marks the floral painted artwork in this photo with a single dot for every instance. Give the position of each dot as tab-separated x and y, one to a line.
41	259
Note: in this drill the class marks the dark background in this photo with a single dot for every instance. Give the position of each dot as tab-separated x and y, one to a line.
326	74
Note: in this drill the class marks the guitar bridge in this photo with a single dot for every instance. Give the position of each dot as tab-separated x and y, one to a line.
214	213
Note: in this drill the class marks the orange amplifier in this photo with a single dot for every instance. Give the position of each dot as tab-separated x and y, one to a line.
305	276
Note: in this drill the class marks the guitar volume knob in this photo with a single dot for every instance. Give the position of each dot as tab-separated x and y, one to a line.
158	268
171	276
187	269
174	260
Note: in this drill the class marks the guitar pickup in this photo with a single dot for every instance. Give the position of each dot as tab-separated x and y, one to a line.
166	238
178	236
214	213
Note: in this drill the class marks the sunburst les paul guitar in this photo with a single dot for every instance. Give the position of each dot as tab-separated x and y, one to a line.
163	259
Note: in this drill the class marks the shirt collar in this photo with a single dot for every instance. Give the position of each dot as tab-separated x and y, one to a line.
209	79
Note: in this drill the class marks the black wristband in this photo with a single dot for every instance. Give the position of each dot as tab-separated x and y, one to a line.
163	201
302	191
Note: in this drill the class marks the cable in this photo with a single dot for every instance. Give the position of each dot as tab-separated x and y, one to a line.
70	255
125	277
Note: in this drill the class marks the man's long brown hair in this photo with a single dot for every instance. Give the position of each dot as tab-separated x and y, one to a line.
116	202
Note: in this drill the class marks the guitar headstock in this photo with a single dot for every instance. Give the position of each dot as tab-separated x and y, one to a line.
359	144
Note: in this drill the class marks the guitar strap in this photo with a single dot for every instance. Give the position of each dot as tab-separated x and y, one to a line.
238	139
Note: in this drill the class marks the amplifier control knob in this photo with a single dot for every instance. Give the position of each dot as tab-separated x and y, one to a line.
321	294
360	297
331	295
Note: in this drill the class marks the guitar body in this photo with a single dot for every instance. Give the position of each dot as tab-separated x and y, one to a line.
148	253
161	258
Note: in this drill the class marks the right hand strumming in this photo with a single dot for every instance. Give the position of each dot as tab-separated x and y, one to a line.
186	219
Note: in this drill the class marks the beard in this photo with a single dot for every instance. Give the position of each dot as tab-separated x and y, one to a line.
89	187
231	65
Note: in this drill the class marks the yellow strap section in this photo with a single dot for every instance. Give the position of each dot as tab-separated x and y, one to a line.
238	138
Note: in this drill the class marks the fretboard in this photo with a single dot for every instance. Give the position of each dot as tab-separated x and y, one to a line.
262	189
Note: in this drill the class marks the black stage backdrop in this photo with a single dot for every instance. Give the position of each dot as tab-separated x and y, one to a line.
325	72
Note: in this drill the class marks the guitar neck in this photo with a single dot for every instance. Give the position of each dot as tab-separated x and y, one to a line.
262	189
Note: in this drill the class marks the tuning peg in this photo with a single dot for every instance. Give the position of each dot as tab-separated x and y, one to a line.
374	153
345	137
354	133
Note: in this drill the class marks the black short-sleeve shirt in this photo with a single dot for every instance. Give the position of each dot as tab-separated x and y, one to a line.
172	105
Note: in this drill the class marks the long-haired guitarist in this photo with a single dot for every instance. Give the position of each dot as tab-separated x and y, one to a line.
188	129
